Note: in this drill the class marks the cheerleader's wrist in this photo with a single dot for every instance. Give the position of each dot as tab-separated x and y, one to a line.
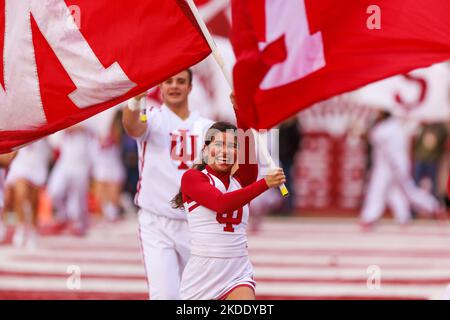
134	104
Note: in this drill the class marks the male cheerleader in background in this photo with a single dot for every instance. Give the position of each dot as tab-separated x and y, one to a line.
168	142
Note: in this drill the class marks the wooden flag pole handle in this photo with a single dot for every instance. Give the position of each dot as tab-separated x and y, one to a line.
220	61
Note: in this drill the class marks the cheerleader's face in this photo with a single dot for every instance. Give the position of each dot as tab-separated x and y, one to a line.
176	89
222	152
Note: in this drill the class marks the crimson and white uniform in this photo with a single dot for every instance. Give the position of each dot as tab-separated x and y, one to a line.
218	211
390	179
108	165
69	181
166	150
31	163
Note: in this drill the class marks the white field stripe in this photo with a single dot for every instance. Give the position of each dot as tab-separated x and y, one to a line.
347	274
257	245
72	254
362	243
283	246
260	260
320	234
356	239
318	290
388	243
261	257
436	233
267	227
60	284
291	228
284	289
61	267
326	260
324	231
129	226
342	224
356	233
367	236
333	260
260	272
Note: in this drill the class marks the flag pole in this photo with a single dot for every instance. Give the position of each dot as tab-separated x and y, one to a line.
220	61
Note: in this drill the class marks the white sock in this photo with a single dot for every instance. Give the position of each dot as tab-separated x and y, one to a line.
19	236
32	238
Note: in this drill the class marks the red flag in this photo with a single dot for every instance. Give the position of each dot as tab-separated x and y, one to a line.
64	61
214	12
293	53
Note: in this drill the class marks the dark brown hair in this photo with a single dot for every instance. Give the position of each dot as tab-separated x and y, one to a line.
221	126
189	71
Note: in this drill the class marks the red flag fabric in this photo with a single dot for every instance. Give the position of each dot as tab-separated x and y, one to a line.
64	61
293	53
215	14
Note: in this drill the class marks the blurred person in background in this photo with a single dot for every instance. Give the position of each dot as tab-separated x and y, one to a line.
130	161
108	168
429	149
390	182
290	139
5	160
69	180
27	175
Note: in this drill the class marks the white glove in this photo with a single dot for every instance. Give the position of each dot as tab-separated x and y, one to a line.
134	104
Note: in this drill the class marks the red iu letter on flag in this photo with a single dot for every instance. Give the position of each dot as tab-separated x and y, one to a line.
293	53
64	61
